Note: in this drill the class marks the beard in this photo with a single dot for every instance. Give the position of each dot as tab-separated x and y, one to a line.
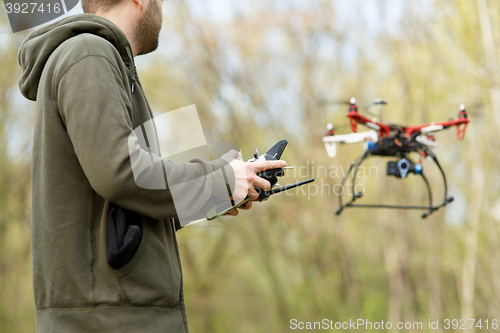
148	29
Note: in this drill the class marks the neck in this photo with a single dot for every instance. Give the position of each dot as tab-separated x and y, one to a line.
117	16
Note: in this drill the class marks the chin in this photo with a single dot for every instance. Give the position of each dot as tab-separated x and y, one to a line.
150	48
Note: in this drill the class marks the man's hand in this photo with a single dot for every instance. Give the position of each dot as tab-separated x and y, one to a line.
246	178
234	212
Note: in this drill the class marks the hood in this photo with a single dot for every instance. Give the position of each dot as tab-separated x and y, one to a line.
39	45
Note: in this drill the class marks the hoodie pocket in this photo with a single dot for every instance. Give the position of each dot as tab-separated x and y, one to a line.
153	276
123	236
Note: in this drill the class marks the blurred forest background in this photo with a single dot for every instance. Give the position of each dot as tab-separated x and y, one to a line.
259	71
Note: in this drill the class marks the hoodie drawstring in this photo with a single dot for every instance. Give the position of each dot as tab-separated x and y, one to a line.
131	66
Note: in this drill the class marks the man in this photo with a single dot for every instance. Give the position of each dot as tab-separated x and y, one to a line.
105	255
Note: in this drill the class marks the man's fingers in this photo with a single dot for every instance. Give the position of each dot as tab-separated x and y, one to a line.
246	206
246	177
232	212
261	183
252	193
266	165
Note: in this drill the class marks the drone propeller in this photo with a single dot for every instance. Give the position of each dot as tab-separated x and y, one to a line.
342	128
326	102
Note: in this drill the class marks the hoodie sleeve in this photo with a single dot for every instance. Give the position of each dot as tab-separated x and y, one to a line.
94	104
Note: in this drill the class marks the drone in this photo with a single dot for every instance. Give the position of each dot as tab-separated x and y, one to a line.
393	141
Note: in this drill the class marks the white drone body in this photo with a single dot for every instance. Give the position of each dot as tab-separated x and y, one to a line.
331	141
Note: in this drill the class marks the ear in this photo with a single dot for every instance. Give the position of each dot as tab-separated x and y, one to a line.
139	3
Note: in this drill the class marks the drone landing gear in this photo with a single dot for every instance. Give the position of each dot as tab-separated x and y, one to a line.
353	168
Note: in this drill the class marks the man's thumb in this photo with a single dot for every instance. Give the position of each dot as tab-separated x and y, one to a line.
231	155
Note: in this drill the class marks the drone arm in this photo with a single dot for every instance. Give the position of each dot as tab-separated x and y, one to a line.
460	123
355	119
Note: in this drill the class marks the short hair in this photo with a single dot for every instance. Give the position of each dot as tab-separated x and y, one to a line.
92	6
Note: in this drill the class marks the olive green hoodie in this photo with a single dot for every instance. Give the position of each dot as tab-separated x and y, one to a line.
81	73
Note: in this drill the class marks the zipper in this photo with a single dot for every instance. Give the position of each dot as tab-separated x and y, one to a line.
131	66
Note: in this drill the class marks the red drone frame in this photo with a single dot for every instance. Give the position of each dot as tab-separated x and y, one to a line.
393	141
385	130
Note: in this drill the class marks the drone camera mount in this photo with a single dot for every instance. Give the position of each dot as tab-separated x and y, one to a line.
403	167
